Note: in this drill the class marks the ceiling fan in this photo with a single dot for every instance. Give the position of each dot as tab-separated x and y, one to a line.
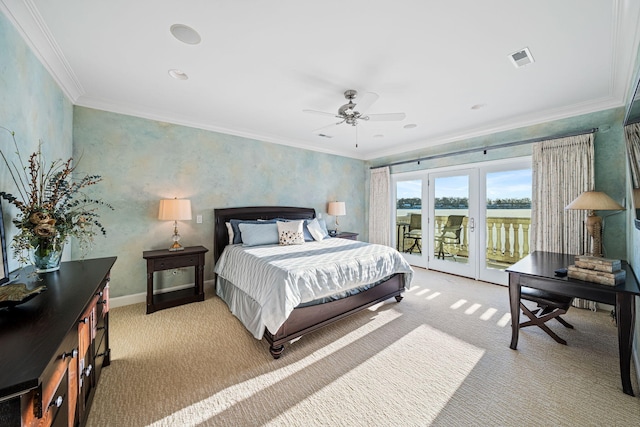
349	115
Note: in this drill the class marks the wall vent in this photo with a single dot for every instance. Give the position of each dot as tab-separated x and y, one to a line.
324	136
521	58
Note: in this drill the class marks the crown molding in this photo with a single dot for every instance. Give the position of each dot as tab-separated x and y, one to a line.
26	18
529	120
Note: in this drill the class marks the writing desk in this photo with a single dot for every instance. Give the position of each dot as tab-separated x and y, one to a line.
537	271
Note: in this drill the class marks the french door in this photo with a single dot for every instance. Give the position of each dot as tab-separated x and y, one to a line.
453	214
469	221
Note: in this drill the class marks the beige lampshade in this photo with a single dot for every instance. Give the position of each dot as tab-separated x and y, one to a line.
175	210
337	209
594	201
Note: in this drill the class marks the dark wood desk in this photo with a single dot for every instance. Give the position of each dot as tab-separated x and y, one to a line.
537	271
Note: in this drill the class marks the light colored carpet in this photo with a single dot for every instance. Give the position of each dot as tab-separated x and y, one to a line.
440	357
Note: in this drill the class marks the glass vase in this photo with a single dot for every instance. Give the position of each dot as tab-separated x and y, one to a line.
46	254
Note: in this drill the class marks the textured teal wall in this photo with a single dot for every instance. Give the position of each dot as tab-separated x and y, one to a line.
33	106
143	161
610	158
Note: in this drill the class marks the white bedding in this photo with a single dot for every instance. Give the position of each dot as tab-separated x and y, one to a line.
278	278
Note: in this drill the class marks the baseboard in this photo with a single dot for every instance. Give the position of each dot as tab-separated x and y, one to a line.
209	285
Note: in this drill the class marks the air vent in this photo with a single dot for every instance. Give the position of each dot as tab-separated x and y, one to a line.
324	136
521	58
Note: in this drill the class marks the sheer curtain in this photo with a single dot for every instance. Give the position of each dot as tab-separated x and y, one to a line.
380	207
562	170
632	133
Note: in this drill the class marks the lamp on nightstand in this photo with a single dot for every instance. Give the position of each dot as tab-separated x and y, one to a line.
175	210
337	209
594	201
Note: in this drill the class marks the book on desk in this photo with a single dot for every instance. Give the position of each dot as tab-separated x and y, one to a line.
598	270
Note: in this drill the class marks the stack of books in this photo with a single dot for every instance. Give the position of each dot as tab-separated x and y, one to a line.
599	270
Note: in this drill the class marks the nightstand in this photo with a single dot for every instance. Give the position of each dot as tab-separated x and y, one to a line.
166	260
347	235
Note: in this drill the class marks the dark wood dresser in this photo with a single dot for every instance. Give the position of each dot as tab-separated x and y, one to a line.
53	347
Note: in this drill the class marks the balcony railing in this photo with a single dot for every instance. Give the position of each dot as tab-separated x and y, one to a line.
507	239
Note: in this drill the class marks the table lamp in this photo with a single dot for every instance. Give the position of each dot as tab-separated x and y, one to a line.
337	209
594	201
175	210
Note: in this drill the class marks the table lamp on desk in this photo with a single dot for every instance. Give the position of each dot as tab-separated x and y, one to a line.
592	201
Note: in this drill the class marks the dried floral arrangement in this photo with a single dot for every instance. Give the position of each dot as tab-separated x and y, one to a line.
51	202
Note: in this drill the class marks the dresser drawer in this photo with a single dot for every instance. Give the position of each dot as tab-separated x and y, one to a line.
57	413
49	401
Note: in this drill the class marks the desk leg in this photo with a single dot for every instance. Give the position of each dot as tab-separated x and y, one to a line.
514	299
625	316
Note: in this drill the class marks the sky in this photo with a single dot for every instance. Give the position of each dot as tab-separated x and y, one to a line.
507	184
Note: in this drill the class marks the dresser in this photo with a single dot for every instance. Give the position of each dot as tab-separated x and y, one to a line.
53	347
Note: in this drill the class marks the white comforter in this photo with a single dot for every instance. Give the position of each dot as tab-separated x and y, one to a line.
278	278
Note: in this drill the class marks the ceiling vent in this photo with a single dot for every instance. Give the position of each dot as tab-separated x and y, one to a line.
324	136
521	58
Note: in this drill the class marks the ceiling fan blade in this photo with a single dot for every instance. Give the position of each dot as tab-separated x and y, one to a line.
366	101
388	117
325	128
321	113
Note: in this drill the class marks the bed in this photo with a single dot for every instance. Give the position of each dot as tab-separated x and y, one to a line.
303	309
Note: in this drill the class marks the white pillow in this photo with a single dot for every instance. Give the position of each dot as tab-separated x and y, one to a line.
316	231
290	233
230	231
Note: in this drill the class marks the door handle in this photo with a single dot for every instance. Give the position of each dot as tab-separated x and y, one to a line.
472	224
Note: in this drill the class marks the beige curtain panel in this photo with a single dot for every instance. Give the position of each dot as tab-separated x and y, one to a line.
379	207
562	170
632	133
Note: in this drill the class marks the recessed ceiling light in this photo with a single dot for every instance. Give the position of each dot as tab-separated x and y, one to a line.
178	74
185	34
410	126
478	106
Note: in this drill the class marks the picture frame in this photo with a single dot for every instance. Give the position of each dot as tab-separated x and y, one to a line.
4	271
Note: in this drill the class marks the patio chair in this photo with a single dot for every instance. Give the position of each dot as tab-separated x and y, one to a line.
414	232
450	234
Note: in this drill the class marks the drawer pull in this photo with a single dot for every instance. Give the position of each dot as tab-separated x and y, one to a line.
102	301
58	402
99	294
85	320
72	354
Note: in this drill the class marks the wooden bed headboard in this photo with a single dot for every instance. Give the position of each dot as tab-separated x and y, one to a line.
221	236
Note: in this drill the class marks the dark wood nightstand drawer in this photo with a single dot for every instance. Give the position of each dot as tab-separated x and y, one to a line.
175	262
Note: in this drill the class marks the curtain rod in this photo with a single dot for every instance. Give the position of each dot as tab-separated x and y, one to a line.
472	150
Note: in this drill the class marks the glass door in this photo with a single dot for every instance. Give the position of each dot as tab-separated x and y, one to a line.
452	222
507	217
408	219
473	222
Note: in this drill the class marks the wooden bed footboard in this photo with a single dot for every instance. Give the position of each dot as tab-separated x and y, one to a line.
307	319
